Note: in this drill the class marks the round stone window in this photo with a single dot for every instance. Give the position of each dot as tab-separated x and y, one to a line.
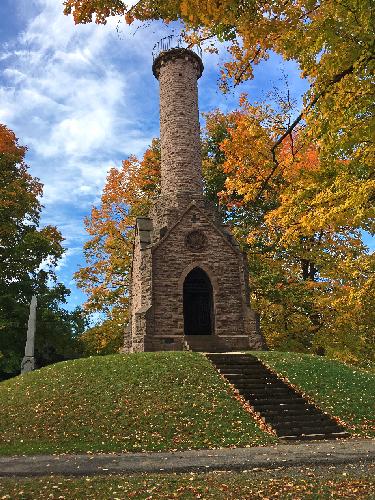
196	240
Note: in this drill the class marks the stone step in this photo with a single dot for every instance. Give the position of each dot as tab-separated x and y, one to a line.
255	377
253	394
310	437
339	434
232	361
263	394
278	392
242	363
277	403
250	380
204	343
276	395
249	368
253	380
211	344
327	428
245	389
254	368
204	349
245	370
280	412
273	401
294	419
277	389
231	357
303	437
263	408
267	388
251	388
265	385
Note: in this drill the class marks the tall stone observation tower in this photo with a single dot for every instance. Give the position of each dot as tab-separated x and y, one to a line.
189	278
181	166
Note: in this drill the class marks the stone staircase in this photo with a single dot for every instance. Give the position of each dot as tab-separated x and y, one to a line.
279	405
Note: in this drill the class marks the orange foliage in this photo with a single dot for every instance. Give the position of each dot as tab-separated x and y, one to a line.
9	144
297	217
128	193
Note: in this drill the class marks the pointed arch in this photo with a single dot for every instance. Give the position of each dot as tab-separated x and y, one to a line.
204	268
198	303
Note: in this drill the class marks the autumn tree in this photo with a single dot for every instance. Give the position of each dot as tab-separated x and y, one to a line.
128	193
23	247
28	255
300	228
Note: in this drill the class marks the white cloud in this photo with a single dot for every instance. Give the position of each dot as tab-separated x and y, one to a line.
67	97
66	256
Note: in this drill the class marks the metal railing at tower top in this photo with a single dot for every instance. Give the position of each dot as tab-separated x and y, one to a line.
173	42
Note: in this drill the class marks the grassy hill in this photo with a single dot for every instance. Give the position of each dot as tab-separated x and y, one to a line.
160	401
144	401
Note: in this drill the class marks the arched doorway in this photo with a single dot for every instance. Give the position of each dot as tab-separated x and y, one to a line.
198	303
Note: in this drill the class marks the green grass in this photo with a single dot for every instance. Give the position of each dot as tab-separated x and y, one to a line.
345	392
137	402
162	401
306	483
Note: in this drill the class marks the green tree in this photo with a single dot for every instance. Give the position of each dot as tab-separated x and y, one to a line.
26	249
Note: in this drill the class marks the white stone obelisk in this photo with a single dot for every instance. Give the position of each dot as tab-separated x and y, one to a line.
28	362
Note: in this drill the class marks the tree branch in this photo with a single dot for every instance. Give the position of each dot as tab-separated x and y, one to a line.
238	78
336	79
129	11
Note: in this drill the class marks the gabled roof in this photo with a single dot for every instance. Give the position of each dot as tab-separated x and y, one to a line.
217	229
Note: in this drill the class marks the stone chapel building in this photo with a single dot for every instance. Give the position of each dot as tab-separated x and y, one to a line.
189	278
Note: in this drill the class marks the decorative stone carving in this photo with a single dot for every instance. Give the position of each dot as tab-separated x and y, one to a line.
196	241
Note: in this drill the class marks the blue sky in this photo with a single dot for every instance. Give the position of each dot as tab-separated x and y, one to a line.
83	98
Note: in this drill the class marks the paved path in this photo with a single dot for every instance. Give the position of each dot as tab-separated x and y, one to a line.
351	451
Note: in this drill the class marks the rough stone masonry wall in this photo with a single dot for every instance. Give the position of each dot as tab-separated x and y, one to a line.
141	287
172	261
136	287
181	168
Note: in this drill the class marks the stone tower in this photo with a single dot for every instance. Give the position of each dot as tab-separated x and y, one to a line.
189	277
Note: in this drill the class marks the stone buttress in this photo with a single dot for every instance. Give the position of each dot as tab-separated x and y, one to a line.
189	278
